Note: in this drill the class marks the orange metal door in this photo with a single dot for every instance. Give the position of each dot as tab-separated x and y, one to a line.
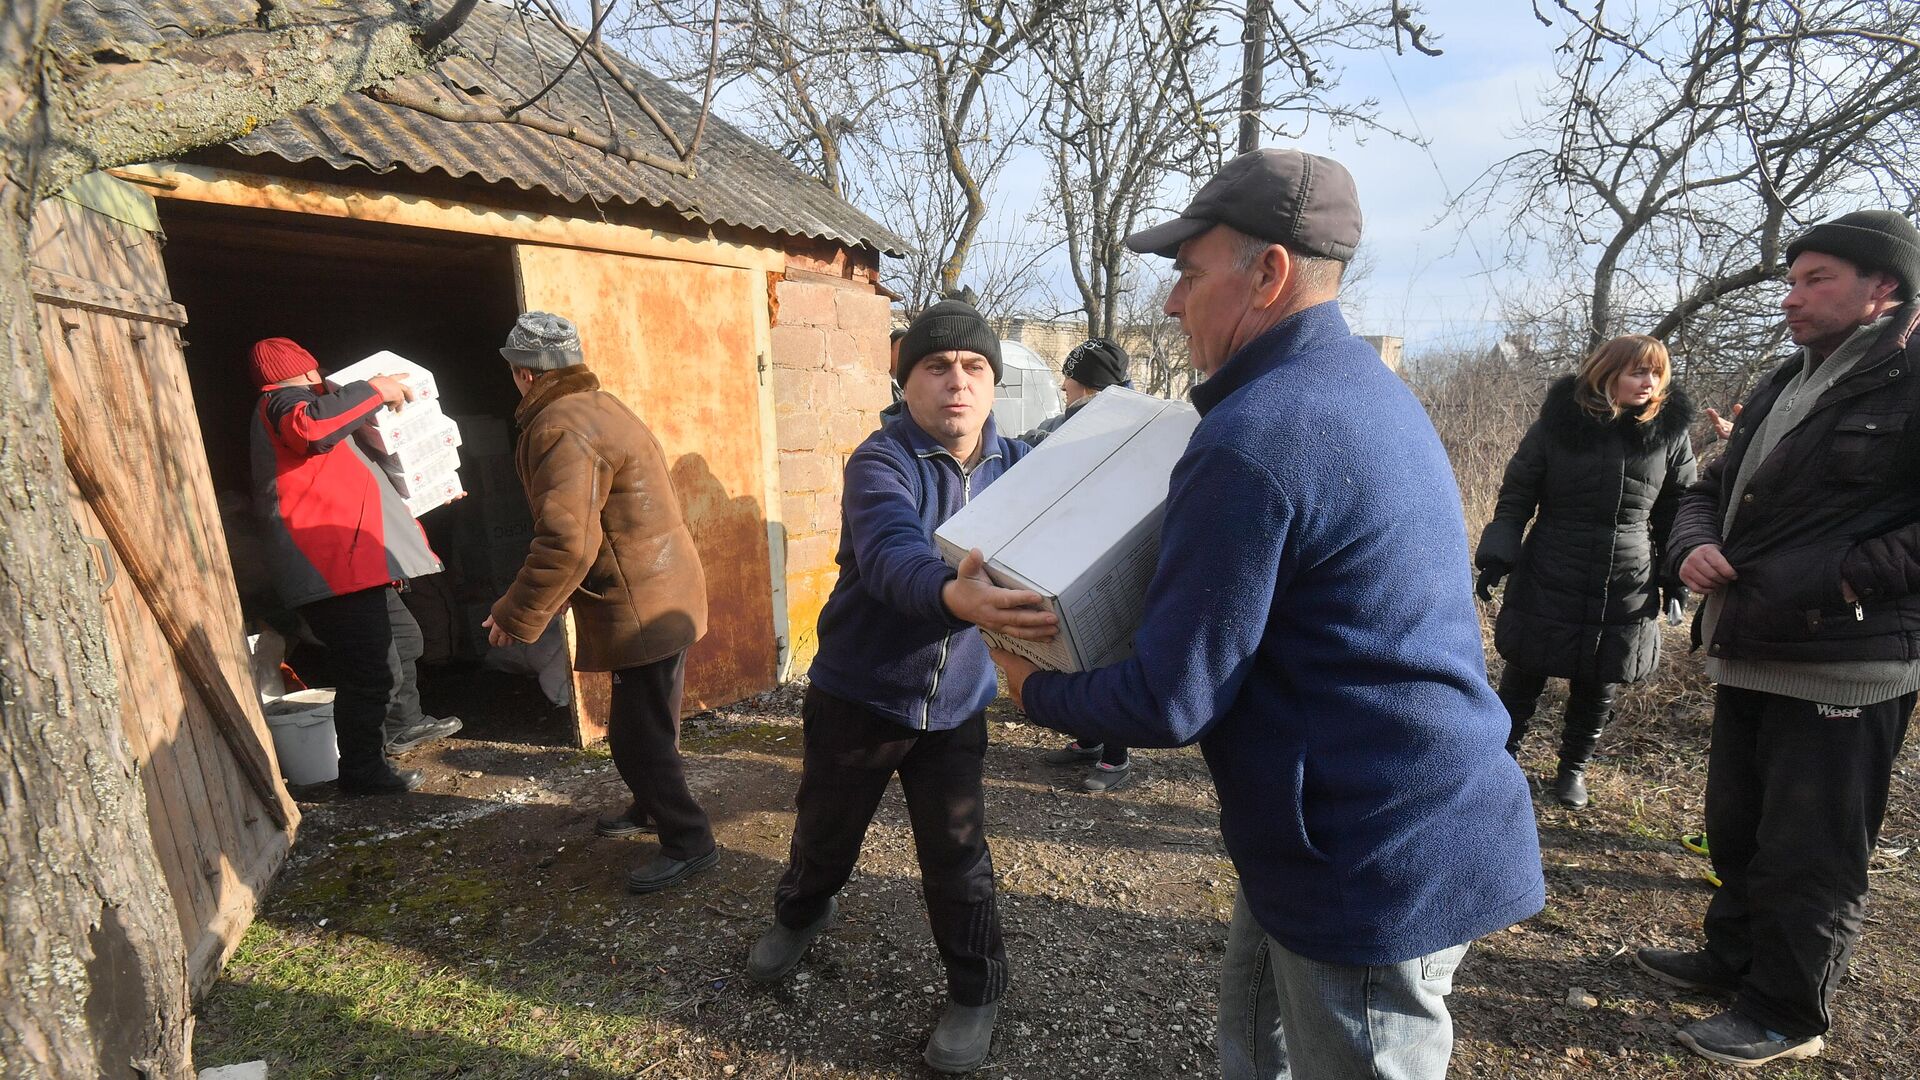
680	343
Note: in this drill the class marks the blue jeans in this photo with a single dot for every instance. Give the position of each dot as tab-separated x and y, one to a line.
1285	1017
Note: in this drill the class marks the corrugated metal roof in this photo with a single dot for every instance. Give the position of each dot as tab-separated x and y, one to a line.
504	57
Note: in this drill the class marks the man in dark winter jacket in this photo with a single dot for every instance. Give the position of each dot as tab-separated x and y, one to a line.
902	679
338	541
1806	536
1311	624
1091	367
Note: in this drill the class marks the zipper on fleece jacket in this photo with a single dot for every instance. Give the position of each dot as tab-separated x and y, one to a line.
946	642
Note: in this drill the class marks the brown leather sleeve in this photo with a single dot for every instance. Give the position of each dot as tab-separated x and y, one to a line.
567	482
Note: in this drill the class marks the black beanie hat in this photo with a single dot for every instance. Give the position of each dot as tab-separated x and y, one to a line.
1096	364
1871	240
947	325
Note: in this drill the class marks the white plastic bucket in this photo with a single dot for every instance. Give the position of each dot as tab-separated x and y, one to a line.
303	737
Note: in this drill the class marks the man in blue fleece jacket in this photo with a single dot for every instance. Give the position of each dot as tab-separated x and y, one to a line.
902	679
1311	625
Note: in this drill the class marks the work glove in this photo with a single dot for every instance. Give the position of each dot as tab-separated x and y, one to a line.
1676	597
1490	577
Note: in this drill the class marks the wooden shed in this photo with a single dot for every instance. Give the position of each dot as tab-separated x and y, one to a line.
737	310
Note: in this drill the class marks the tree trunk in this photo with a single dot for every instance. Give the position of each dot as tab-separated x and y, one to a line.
92	963
94	976
1253	73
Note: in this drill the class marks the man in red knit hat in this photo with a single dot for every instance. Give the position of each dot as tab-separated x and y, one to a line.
340	543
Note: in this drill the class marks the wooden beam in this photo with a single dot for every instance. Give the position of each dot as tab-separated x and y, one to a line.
65	290
227	187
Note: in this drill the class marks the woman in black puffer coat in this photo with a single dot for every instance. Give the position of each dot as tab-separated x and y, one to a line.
1604	468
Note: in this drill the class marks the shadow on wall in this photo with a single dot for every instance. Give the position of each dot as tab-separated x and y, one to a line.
737	658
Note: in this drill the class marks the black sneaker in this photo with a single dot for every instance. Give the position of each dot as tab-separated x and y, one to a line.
1105	777
1073	754
1687	970
663	871
389	781
418	734
628	822
1733	1039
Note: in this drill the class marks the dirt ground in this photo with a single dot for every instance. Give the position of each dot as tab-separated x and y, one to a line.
480	929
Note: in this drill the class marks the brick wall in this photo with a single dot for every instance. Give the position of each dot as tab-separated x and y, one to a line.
830	355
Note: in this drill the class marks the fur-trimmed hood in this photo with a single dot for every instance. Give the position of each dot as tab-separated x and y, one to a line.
1563	418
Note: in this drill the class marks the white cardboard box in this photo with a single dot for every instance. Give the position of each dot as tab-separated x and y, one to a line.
389	426
1078	521
419	429
442	490
418	379
421	474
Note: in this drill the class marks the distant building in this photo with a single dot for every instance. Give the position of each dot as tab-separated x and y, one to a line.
1389	349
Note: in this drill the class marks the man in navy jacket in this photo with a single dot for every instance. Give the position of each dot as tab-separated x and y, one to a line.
1311	626
902	679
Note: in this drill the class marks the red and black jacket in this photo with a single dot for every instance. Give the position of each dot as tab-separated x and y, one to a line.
333	522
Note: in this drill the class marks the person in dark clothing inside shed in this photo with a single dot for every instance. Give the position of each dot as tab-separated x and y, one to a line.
1600	475
1805	538
339	543
1091	367
902	680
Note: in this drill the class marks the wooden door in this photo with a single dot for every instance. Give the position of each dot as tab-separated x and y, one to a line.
681	343
221	821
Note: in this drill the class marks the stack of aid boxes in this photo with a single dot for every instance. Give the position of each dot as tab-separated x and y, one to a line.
416	445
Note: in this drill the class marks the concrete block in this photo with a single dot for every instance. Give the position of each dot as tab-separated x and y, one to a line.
801	431
811	552
865	315
803	347
826	511
843	351
849	429
864	390
808	470
793	388
796	511
805	304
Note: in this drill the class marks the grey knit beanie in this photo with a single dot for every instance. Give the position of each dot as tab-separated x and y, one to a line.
542	342
945	327
1871	240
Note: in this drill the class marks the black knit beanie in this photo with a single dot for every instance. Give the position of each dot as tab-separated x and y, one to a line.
1096	364
1871	240
947	325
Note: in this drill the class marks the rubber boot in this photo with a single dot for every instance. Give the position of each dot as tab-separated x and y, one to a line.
1588	710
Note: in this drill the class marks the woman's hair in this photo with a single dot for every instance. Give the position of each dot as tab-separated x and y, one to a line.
1594	380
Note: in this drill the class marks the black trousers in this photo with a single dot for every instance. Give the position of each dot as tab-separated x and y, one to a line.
643	733
1589	707
851	754
374	642
1795	795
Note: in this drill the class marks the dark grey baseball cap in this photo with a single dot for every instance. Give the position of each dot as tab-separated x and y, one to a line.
1304	201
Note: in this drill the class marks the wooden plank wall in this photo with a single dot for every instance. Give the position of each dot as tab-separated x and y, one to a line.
111	336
